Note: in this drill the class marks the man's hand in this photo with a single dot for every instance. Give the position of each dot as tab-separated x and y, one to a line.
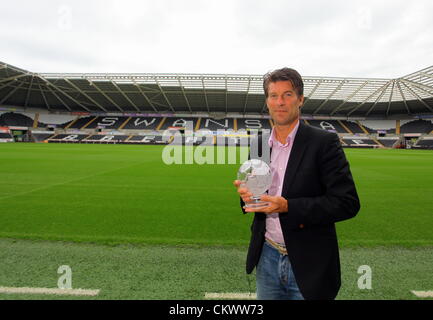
275	204
243	191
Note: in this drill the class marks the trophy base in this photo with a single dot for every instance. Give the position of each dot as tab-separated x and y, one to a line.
257	204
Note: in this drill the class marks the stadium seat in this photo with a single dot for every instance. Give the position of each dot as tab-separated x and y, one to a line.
417	126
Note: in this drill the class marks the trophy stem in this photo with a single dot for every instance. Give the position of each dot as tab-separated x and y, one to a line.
256	199
256	203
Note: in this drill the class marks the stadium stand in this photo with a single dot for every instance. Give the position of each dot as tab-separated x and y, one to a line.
252	124
15	119
54	120
146	139
5	136
138	108
143	123
206	141
178	122
68	138
365	129
375	126
231	141
425	143
178	140
217	124
40	136
102	138
124	129
417	126
78	124
353	127
360	142
388	142
107	122
328	125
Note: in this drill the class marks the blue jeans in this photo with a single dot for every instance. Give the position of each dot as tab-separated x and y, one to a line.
274	277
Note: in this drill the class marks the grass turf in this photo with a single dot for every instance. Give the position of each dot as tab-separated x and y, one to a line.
126	194
185	272
189	233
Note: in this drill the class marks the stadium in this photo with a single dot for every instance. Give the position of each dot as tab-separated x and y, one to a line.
84	184
137	108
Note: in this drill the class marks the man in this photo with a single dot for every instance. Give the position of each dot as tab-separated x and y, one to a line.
294	243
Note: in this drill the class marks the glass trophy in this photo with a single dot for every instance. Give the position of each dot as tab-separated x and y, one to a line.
256	176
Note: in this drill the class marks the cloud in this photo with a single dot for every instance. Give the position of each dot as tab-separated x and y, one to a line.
319	38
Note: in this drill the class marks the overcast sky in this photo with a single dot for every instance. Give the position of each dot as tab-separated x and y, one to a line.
383	39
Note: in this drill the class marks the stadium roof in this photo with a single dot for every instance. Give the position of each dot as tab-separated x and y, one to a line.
211	93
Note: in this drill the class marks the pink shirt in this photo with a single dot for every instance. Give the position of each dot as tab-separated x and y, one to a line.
279	158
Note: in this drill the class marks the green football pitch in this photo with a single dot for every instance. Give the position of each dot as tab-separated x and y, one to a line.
137	228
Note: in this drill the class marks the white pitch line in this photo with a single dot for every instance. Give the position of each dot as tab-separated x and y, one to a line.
423	294
72	292
230	295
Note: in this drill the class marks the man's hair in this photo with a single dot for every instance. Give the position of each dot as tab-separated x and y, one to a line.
284	74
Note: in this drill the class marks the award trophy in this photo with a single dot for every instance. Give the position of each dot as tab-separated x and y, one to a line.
256	176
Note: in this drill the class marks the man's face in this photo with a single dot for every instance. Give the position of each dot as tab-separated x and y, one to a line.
283	103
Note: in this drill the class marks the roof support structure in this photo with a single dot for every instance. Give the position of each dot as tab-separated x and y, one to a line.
421	86
164	95
205	95
330	96
418	97
383	87
184	94
106	96
227	91
349	97
246	96
404	98
124	95
44	97
5	85
145	96
312	92
426	75
48	83
60	99
378	98
264	106
84	94
14	77
390	97
11	93
28	91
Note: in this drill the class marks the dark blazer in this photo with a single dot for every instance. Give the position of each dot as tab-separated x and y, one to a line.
320	191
